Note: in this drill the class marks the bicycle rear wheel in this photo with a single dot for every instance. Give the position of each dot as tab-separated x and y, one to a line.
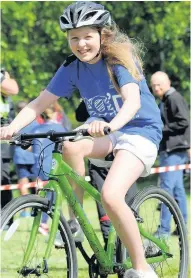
146	204
62	262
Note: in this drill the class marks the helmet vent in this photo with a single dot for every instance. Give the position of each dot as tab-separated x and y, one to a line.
89	15
100	17
64	20
79	13
71	16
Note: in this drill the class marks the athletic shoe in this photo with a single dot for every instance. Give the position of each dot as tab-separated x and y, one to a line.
132	273
43	230
8	225
6	228
159	234
58	242
77	233
76	230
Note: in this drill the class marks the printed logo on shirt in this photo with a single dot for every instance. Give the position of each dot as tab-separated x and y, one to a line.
101	105
104	106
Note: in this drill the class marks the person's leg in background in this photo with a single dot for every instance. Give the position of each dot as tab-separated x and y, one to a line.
44	228
24	173
23	181
24	191
6	195
169	181
179	190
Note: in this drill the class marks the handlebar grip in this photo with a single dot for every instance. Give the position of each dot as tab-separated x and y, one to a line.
106	130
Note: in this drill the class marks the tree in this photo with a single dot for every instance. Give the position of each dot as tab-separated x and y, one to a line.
33	47
163	27
32	44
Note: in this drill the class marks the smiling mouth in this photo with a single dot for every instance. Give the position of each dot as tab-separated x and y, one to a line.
83	52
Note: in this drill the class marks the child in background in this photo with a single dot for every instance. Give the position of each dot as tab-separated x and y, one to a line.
50	123
24	160
61	116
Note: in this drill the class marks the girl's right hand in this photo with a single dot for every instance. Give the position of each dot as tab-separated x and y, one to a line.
6	132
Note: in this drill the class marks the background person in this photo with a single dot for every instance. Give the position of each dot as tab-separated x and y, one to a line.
24	159
107	71
61	116
174	144
9	87
50	123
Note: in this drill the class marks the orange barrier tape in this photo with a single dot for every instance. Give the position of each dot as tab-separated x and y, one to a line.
87	178
170	168
26	185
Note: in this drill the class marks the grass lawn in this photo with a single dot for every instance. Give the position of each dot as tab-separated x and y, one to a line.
91	212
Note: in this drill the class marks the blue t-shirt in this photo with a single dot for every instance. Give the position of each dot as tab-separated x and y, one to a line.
47	153
23	156
103	101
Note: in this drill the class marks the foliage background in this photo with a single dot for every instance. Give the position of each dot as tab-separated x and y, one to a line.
33	47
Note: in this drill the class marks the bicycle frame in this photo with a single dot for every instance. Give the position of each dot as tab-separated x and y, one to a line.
61	186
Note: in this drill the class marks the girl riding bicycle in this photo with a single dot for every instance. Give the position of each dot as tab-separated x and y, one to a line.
106	69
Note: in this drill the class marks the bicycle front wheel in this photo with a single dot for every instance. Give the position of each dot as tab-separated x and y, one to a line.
147	203
14	238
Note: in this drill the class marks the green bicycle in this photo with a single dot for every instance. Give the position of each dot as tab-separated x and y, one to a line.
25	252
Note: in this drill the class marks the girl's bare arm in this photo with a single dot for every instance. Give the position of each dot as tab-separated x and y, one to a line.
29	114
131	104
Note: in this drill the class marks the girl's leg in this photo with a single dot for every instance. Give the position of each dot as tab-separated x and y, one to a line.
75	152
125	170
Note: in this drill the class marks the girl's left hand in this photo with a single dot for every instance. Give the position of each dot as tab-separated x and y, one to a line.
96	128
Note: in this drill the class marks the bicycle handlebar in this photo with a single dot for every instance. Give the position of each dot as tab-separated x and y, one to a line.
53	136
50	134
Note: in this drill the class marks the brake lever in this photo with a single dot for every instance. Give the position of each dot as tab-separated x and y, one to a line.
15	140
26	144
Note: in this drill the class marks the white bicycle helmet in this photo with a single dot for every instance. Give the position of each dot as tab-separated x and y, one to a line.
82	13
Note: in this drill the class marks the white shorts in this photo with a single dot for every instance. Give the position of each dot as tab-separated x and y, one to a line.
138	145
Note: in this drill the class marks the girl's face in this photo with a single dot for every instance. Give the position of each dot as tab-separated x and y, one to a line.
85	43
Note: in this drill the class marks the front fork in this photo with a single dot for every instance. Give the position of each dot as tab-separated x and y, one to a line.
52	184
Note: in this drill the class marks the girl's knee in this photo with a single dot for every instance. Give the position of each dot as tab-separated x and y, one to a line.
71	148
110	200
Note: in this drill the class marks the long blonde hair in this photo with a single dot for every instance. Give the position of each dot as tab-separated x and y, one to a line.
118	48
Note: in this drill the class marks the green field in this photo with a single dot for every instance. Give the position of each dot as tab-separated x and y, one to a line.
91	212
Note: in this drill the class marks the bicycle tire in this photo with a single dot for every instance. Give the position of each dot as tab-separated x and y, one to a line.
161	195
35	201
